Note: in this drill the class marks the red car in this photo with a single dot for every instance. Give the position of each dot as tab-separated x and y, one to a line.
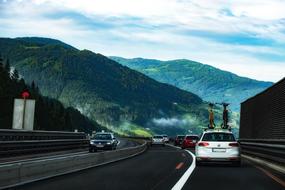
190	141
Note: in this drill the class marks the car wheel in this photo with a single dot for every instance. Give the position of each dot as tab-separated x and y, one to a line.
163	145
91	150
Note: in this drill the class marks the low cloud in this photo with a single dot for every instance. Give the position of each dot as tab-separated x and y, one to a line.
169	122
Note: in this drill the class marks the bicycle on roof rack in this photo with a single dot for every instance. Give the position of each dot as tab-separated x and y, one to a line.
225	124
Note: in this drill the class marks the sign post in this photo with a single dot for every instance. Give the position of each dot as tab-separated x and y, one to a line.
24	109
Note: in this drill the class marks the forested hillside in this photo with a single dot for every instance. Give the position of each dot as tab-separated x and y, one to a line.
208	82
115	96
50	114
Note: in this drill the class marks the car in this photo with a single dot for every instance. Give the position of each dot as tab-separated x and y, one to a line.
103	141
158	140
178	140
166	139
217	146
190	141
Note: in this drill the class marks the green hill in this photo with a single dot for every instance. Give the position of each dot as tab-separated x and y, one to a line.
208	82
50	114
113	95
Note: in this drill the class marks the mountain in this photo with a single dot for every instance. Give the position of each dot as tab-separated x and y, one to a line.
113	95
208	82
50	114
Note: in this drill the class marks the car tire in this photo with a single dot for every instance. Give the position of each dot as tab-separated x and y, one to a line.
163	145
91	150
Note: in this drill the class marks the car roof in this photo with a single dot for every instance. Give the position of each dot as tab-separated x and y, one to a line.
192	135
217	131
104	133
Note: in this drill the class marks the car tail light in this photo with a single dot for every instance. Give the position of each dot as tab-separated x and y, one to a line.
203	144
234	144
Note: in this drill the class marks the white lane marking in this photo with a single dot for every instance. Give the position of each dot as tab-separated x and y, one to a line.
181	182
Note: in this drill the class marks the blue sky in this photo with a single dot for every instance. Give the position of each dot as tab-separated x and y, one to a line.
241	36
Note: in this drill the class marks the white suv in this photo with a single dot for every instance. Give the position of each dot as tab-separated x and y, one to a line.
158	140
217	146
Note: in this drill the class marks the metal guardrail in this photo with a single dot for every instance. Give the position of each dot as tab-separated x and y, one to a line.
15	142
13	148
30	171
269	149
16	135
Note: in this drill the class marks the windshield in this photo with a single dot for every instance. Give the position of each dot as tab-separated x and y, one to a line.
158	137
218	137
103	137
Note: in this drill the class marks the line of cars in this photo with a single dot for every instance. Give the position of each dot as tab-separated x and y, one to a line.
213	145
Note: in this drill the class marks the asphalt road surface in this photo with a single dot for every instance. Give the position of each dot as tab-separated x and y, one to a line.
227	177
160	168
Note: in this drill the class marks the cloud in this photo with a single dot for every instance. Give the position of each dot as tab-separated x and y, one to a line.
169	122
244	37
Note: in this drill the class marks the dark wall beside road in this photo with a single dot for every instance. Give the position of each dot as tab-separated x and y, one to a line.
263	116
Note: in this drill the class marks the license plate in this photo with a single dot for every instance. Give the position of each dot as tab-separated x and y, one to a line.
100	145
219	150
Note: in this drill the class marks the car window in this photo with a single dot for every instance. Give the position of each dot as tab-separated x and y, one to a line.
218	137
180	137
192	138
103	137
158	137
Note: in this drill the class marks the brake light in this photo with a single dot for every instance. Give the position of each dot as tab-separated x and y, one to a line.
203	144
234	144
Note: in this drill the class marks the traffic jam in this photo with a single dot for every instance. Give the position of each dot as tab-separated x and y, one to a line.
214	145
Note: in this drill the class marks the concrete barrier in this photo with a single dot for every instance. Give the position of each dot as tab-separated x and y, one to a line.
25	172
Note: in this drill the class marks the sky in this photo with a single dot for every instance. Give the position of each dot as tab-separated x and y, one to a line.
241	36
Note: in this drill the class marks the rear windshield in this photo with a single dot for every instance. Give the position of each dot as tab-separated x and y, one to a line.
103	137
158	137
218	137
165	136
192	137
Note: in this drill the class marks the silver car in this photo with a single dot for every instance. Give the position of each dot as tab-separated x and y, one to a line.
217	146
158	140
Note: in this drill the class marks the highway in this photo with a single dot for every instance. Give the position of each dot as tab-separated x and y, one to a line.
160	168
123	143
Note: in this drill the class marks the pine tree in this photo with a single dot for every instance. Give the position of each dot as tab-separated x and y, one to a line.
33	86
7	66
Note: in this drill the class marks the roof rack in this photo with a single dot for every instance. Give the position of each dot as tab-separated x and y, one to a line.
217	129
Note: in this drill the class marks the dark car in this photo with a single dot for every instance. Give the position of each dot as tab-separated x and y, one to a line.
190	141
103	141
178	140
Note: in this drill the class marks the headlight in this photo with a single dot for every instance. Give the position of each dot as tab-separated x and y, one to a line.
108	143
92	142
